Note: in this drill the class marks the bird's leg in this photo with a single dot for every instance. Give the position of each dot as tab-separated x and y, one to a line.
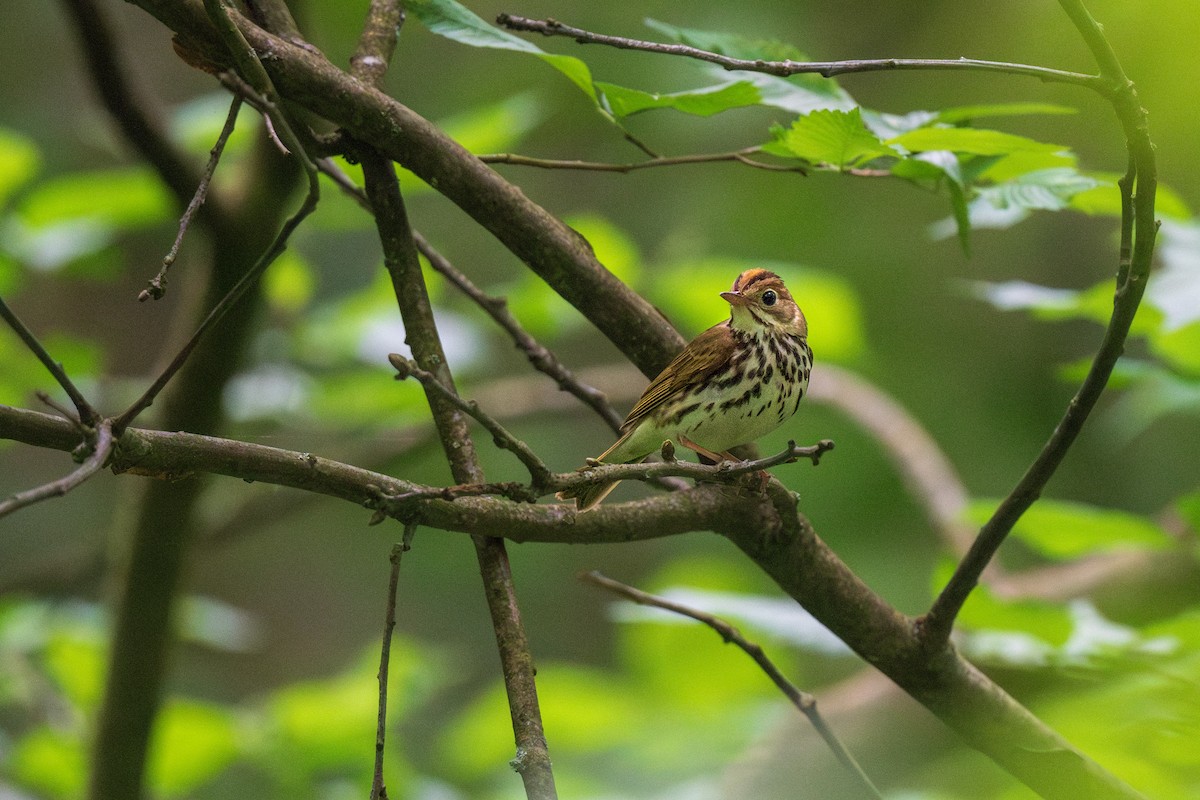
716	458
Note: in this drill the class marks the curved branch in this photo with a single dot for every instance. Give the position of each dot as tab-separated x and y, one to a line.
770	531
101	450
1138	221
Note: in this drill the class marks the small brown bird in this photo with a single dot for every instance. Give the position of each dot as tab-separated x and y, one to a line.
735	382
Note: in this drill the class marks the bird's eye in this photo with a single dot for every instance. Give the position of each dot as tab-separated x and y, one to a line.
769	297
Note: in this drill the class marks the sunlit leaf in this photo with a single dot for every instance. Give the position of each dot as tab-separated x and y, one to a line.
1064	530
193	743
1154	393
50	762
975	141
121	198
198	122
1105	199
960	114
76	661
19	161
837	138
289	283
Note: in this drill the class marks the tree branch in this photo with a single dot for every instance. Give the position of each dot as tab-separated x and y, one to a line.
403	264
1137	221
803	701
827	69
88	416
769	530
101	449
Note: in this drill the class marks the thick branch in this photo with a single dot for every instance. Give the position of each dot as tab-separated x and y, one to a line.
771	533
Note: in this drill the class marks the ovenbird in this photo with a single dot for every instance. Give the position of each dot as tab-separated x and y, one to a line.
735	382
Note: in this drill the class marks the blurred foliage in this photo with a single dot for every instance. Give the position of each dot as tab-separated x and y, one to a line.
650	706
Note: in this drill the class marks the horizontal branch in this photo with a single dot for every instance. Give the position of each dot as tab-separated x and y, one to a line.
767	528
783	69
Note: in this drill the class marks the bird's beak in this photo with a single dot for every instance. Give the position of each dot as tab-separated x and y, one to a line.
735	298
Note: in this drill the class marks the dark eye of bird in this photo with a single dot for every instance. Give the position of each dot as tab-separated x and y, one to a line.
769	297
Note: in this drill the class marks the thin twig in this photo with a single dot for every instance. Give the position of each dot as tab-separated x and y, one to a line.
805	702
378	791
101	449
827	69
539	356
538	471
157	285
740	156
253	71
1137	221
87	414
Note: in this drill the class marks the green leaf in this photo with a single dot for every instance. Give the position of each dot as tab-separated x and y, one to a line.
51	762
975	141
1064	530
19	161
837	138
960	114
458	23
193	743
729	44
198	122
76	662
119	198
289	283
704	102
1105	199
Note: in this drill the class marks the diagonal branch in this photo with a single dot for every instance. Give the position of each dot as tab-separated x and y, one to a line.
539	356
770	531
101	449
1137	221
803	701
88	416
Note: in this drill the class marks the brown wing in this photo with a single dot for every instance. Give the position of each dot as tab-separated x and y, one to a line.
703	356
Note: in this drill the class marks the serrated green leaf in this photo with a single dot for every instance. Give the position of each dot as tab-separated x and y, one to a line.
975	141
699	102
1045	189
959	114
19	161
76	662
837	138
1064	530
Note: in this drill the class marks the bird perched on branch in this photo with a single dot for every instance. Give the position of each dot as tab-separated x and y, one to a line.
737	381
